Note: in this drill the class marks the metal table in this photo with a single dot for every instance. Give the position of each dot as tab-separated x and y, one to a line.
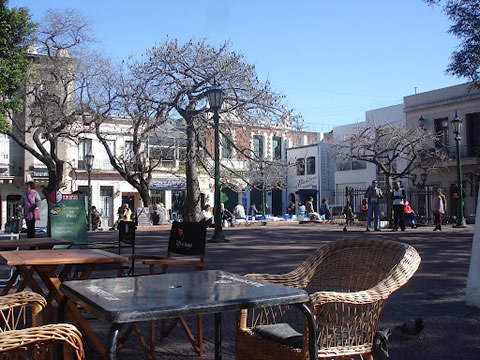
153	297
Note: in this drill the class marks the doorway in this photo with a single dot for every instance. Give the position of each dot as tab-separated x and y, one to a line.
106	205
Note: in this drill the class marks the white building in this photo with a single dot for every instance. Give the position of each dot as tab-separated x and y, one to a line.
433	111
310	172
359	174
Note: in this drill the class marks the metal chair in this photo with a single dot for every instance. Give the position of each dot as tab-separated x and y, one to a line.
349	282
186	247
5	270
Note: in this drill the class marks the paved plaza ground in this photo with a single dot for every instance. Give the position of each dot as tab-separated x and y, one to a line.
436	293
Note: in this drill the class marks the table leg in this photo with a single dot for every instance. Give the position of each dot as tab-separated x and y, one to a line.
27	279
312	339
218	336
70	308
112	341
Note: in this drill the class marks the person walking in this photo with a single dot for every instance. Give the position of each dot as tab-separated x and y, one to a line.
30	203
398	202
439	206
373	196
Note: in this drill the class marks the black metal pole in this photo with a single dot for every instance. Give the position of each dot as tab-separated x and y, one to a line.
460	218
89	212
218	236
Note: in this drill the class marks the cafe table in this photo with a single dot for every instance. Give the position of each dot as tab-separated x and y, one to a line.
52	268
143	298
15	243
31	243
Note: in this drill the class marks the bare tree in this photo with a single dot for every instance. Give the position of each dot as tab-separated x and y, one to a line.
50	115
396	151
171	82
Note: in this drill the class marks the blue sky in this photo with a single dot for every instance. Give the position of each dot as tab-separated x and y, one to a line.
333	60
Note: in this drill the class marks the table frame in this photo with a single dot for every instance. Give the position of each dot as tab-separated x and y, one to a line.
295	297
15	243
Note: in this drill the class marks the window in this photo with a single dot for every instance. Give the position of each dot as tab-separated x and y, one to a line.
227	148
473	134
441	133
167	150
157	196
300	166
105	160
258	146
311	165
346	165
84	148
4	149
277	147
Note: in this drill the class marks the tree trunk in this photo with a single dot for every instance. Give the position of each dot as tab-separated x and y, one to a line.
192	208
144	192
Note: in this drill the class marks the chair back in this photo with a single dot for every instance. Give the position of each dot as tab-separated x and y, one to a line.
126	239
188	238
126	234
350	265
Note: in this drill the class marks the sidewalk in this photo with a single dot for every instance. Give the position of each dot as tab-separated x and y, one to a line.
436	293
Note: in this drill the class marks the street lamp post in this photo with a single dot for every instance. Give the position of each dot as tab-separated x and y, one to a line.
457	129
215	99
89	160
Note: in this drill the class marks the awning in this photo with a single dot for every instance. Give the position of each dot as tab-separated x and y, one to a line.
310	192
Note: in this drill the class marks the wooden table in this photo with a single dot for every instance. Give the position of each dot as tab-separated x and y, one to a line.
53	266
32	243
144	298
15	243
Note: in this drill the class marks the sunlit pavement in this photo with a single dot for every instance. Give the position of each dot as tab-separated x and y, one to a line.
436	293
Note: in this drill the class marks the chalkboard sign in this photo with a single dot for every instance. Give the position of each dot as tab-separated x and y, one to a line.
68	220
143	217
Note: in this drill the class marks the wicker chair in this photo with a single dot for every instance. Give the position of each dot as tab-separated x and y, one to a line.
36	342
349	281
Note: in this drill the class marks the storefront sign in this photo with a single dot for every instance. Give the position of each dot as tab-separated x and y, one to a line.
168	184
308	182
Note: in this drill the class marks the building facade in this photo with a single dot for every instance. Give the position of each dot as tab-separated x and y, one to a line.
433	111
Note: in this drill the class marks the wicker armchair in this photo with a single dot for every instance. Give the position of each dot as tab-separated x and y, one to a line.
13	310
349	281
36	342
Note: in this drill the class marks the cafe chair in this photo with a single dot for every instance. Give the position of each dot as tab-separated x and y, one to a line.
39	342
13	309
126	239
5	270
348	282
186	246
17	341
